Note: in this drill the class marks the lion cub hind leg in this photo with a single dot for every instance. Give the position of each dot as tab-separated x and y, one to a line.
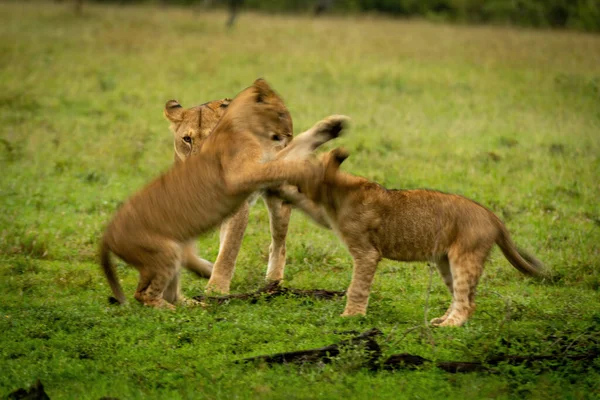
173	293
195	264
466	269
153	295
146	277
443	266
159	275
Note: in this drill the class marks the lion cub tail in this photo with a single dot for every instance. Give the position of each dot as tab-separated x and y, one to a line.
110	273
519	258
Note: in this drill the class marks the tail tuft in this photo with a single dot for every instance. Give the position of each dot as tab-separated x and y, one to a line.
522	260
540	268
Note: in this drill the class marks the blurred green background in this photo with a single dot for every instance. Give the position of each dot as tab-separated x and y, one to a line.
572	14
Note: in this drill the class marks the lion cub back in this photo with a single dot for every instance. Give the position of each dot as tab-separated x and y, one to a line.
428	222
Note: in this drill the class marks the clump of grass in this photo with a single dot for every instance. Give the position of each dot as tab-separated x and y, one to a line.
25	243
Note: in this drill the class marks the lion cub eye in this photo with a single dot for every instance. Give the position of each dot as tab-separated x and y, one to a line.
187	139
276	138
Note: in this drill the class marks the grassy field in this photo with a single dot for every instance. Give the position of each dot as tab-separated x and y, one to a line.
510	118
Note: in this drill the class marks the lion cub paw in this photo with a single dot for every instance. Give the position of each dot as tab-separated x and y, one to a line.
330	127
187	302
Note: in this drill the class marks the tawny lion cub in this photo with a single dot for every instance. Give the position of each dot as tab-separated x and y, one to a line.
190	127
409	225
153	227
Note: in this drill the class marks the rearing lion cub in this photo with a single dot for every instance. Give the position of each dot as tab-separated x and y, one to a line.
153	227
408	225
190	127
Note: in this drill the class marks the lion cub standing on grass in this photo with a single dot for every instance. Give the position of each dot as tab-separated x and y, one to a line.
190	127
409	225
153	227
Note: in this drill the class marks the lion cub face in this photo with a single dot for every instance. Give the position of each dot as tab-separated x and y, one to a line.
260	110
191	125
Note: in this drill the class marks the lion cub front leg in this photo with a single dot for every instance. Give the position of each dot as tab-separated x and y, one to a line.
172	293
366	258
279	218
305	143
290	164
230	238
253	177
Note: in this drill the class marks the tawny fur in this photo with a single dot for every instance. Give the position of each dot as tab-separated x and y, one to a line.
452	231
154	227
190	128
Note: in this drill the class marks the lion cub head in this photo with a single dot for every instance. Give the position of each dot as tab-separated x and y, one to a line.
256	107
331	162
260	110
191	125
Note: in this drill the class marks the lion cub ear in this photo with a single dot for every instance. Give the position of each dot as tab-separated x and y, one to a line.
173	111
339	155
333	161
263	90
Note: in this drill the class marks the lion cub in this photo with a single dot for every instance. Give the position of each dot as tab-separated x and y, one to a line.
153	227
408	225
190	127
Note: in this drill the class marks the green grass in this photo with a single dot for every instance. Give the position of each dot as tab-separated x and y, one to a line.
510	118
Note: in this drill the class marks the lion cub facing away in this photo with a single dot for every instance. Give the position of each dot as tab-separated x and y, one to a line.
409	225
151	230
